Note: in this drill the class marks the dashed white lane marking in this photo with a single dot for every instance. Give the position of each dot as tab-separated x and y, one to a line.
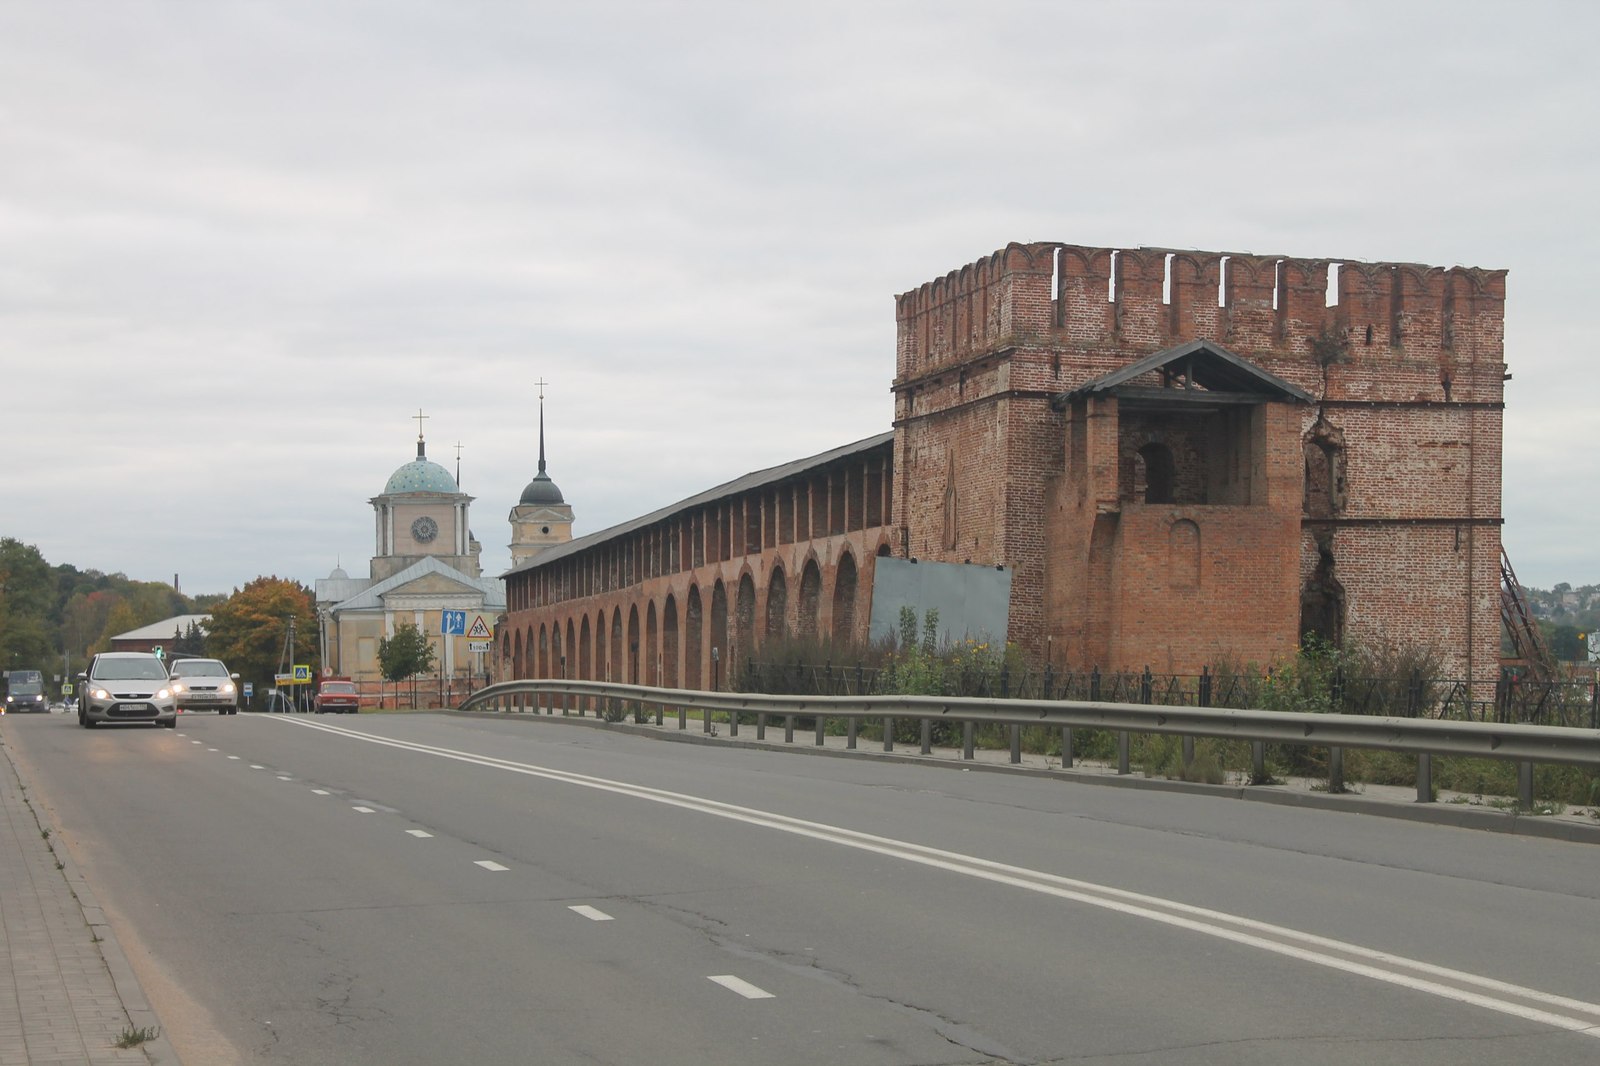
233	756
488	865
255	766
419	833
742	987
284	777
1415	974
197	742
364	810
321	792
592	914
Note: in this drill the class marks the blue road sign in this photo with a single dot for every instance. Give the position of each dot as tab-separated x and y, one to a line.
454	623
249	689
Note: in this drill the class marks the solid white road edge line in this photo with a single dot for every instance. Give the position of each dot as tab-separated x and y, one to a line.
1280	940
591	913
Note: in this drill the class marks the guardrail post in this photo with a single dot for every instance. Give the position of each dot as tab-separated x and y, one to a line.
1424	777
1188	755
683	717
761	725
1066	747
850	733
1016	744
1122	753
888	733
966	740
822	730
733	723
788	729
1258	762
1525	786
705	720
927	737
1335	769
658	714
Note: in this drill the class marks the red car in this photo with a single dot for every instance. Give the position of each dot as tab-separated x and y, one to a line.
337	696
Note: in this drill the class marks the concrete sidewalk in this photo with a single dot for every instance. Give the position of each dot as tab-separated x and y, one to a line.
67	994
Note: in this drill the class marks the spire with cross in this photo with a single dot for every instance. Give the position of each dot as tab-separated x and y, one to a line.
541	383
422	451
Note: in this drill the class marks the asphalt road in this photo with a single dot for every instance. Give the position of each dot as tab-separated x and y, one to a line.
436	889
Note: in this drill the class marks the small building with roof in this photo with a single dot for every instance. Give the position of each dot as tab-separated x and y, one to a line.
163	634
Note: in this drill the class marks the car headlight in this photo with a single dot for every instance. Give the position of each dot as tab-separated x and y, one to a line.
177	686
100	694
227	689
165	693
10	698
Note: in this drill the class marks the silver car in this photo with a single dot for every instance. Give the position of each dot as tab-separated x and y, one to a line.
126	686
204	685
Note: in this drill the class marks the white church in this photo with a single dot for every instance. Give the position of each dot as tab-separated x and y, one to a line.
426	562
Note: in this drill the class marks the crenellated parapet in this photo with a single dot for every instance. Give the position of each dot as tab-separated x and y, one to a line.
1145	299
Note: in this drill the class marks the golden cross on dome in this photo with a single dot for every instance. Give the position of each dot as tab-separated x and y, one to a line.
419	416
541	383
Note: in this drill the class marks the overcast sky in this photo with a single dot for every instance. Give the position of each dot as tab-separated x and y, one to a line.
242	243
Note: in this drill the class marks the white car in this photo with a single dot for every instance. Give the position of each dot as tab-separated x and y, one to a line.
204	685
126	686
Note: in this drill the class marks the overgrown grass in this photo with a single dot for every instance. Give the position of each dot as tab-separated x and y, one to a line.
133	1037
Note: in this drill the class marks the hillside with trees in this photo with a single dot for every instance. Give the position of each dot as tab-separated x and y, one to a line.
1566	616
55	615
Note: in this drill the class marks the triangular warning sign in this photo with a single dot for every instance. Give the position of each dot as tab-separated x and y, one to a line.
479	630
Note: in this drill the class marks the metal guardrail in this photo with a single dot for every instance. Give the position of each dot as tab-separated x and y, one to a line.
1423	737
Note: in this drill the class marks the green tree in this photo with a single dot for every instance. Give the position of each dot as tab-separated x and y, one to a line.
406	654
120	619
27	597
191	641
248	630
1565	642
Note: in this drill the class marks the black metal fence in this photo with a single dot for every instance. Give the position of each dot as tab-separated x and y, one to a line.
1513	699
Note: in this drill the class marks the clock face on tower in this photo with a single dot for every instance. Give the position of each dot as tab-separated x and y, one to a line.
424	529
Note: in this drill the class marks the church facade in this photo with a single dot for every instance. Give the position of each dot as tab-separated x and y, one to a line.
1180	458
425	562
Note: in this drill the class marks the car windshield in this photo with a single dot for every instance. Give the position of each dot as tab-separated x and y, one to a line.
339	686
200	668
129	670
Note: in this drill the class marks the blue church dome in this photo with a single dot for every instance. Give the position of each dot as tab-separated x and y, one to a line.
421	475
